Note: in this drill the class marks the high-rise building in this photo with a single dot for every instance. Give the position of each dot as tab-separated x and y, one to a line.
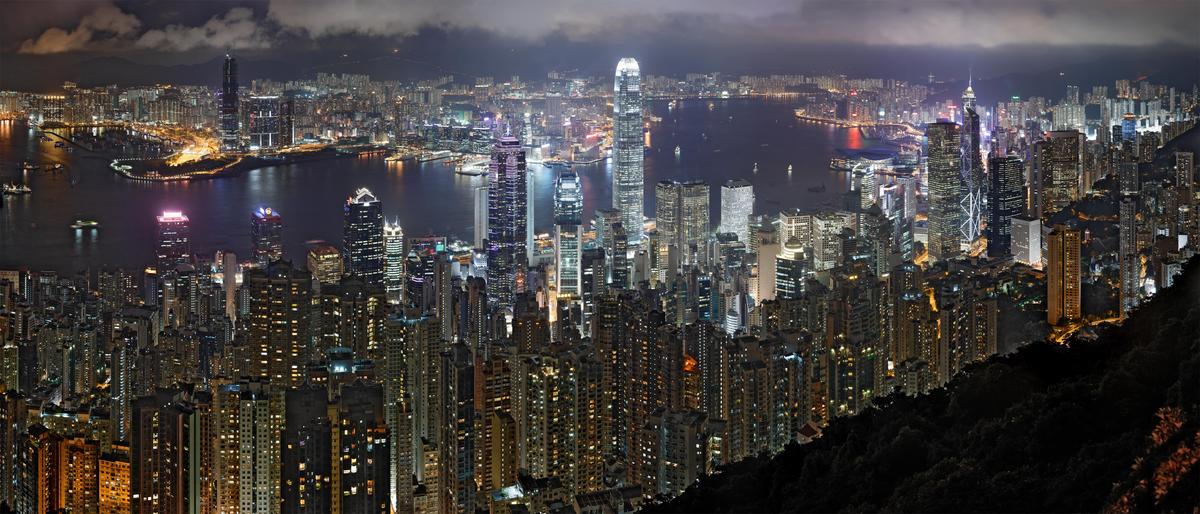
481	215
972	203
1060	167
1127	253
681	216
305	452
737	205
628	147
228	113
946	190
265	124
363	237
325	263
266	235
507	221
174	240
279	328
393	248
1006	200
1026	240
1063	276
165	460
568	232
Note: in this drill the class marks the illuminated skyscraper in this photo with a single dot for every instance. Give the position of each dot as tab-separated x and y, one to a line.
393	247
228	113
628	147
972	169
1127	253
1063	276
1060	167
174	240
363	237
681	216
737	205
325	263
265	122
946	190
1006	200
279	328
568	232
507	220
266	235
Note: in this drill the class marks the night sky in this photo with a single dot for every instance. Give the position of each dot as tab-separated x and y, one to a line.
130	42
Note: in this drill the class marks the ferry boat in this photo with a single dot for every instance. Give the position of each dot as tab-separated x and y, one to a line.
29	166
677	151
16	189
789	169
555	162
839	164
755	170
85	225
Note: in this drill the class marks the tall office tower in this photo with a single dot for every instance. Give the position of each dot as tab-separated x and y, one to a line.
362	457
279	330
682	208
1185	166
1060	164
737	205
266	235
305	476
363	237
507	221
457	436
1027	240
1128	179
481	215
174	241
946	190
393	249
264	120
1127	254
164	456
325	263
568	232
1063	276
1129	127
766	245
790	270
1006	200
972	203
628	147
228	112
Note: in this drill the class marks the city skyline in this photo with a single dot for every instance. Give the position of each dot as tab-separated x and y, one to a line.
599	280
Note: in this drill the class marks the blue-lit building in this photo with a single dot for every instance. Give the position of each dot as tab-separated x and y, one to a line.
507	221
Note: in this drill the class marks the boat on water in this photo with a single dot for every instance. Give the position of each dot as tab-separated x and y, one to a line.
85	224
677	151
16	189
59	144
755	167
555	162
29	166
789	169
58	166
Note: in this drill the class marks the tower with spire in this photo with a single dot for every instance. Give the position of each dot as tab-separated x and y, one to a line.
973	178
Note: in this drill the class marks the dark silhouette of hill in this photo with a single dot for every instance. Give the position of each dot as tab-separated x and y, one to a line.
1106	425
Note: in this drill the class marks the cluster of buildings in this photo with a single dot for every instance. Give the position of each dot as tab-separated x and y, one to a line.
412	374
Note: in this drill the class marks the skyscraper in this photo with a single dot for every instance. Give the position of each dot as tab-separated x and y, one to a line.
568	232
946	190
228	113
1060	166
681	216
1063	276
481	215
279	329
393	247
265	122
266	235
972	169
1006	200
507	220
1127	253
737	205
363	237
628	147
325	263
174	240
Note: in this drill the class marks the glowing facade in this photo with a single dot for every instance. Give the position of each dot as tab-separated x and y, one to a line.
363	237
628	146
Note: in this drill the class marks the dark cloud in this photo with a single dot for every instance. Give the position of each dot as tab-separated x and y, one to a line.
182	26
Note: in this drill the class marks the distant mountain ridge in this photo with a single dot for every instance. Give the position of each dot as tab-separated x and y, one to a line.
1109	425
